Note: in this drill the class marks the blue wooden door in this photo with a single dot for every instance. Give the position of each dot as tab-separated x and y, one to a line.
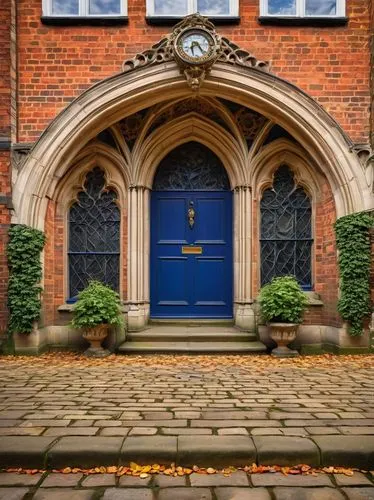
184	284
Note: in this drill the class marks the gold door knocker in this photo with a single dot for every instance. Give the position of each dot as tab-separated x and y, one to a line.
191	215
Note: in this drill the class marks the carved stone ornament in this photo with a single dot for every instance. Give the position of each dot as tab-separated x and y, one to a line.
195	45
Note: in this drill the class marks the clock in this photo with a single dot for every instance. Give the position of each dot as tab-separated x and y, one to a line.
195	46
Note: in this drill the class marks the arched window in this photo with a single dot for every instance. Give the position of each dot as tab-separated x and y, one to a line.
286	230
94	233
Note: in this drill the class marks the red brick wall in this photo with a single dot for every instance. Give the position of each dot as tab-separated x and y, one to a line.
57	63
371	29
5	189
324	262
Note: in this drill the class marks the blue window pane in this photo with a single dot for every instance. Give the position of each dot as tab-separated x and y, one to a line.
171	7
65	7
282	7
214	7
320	7
105	7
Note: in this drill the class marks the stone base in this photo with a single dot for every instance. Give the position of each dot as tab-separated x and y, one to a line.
97	352
244	316
284	352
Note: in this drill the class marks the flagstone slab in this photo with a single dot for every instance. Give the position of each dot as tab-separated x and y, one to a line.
286	450
215	451
79	451
24	451
149	449
349	451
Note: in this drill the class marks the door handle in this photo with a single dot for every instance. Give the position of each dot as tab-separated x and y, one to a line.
191	215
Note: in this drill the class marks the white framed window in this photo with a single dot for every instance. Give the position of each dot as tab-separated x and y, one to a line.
303	8
180	8
84	8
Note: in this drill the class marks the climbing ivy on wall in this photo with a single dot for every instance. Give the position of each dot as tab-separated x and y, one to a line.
25	272
353	242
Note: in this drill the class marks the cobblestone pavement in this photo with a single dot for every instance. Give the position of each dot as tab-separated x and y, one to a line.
237	486
140	397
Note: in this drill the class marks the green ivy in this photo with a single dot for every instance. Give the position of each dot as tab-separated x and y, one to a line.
25	272
353	242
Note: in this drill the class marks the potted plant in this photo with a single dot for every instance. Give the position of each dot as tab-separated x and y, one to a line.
282	305
97	308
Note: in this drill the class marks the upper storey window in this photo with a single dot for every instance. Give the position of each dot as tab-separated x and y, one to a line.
84	8
303	8
180	8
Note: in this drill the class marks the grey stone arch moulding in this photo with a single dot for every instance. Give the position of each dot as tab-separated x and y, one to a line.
144	84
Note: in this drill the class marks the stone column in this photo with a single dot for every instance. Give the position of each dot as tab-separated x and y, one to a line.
243	311
138	258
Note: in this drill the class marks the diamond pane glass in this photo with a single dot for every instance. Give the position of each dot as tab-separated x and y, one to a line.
191	167
286	230
94	233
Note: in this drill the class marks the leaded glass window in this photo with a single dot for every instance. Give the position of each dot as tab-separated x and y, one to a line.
94	235
286	230
191	167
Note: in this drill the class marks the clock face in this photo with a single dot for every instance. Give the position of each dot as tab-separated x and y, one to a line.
195	46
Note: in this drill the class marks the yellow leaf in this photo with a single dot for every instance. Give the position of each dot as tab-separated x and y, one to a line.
67	470
133	466
146	468
210	470
143	475
111	470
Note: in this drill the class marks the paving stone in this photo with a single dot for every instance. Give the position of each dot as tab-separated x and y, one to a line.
235	431
234	415
14	479
21	431
307	494
186	431
10	414
358	479
10	423
149	449
187	414
114	431
143	431
128	494
184	494
359	493
242	494
158	423
157	415
24	451
239	478
13	493
357	430
215	450
278	479
272	431
45	423
63	494
286	450
235	423
97	480
71	431
350	451
54	479
282	415
162	481
107	423
81	451
125	481
323	430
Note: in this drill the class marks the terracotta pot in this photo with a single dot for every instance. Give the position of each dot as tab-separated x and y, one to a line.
95	336
283	334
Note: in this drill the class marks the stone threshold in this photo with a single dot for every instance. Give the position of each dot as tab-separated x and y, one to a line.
206	451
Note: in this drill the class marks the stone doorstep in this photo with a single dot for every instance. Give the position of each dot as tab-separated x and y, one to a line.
216	451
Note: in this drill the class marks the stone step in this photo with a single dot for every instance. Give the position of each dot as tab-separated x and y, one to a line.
190	336
191	346
191	322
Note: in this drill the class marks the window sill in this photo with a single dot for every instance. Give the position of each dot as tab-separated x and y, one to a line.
303	21
171	20
84	21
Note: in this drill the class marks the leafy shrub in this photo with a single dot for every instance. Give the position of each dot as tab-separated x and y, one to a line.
283	301
25	272
97	304
353	242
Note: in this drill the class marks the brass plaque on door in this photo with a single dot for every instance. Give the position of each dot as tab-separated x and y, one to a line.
192	250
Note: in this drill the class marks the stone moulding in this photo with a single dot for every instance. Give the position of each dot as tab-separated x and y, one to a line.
163	51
